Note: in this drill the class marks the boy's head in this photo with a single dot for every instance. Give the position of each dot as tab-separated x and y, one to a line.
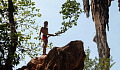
45	23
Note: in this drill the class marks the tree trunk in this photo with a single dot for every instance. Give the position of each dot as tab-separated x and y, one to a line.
100	12
101	40
119	4
100	15
14	38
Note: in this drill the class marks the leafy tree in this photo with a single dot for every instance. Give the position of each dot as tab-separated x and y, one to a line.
93	64
70	11
17	24
100	14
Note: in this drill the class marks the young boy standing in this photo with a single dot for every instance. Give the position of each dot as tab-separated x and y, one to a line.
45	35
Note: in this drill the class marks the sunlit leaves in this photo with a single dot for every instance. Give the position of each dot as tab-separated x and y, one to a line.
1	7
50	45
39	15
70	11
25	14
96	64
70	7
33	8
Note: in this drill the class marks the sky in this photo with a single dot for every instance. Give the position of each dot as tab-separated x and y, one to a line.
84	31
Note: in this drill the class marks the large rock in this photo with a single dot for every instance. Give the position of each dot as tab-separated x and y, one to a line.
69	57
34	63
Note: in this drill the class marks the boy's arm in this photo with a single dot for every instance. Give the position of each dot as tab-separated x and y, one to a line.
40	34
51	34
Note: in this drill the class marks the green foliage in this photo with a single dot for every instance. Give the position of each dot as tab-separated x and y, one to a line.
70	11
95	64
50	45
24	13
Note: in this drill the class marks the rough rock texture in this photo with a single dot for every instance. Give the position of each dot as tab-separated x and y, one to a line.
69	57
34	63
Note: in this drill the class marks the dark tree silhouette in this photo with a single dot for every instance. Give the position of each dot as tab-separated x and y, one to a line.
14	38
13	15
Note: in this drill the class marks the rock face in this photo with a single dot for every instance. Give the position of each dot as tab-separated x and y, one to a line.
69	57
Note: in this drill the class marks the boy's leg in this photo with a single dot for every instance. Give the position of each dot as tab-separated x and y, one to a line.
44	47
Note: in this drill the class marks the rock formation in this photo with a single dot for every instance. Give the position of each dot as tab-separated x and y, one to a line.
69	57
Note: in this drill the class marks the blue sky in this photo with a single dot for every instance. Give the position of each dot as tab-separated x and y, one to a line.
85	30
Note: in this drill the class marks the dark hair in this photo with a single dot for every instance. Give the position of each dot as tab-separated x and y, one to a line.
45	22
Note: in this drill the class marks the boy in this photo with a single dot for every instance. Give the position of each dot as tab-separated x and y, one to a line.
44	31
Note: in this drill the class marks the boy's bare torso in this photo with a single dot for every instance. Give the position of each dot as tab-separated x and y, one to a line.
44	31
